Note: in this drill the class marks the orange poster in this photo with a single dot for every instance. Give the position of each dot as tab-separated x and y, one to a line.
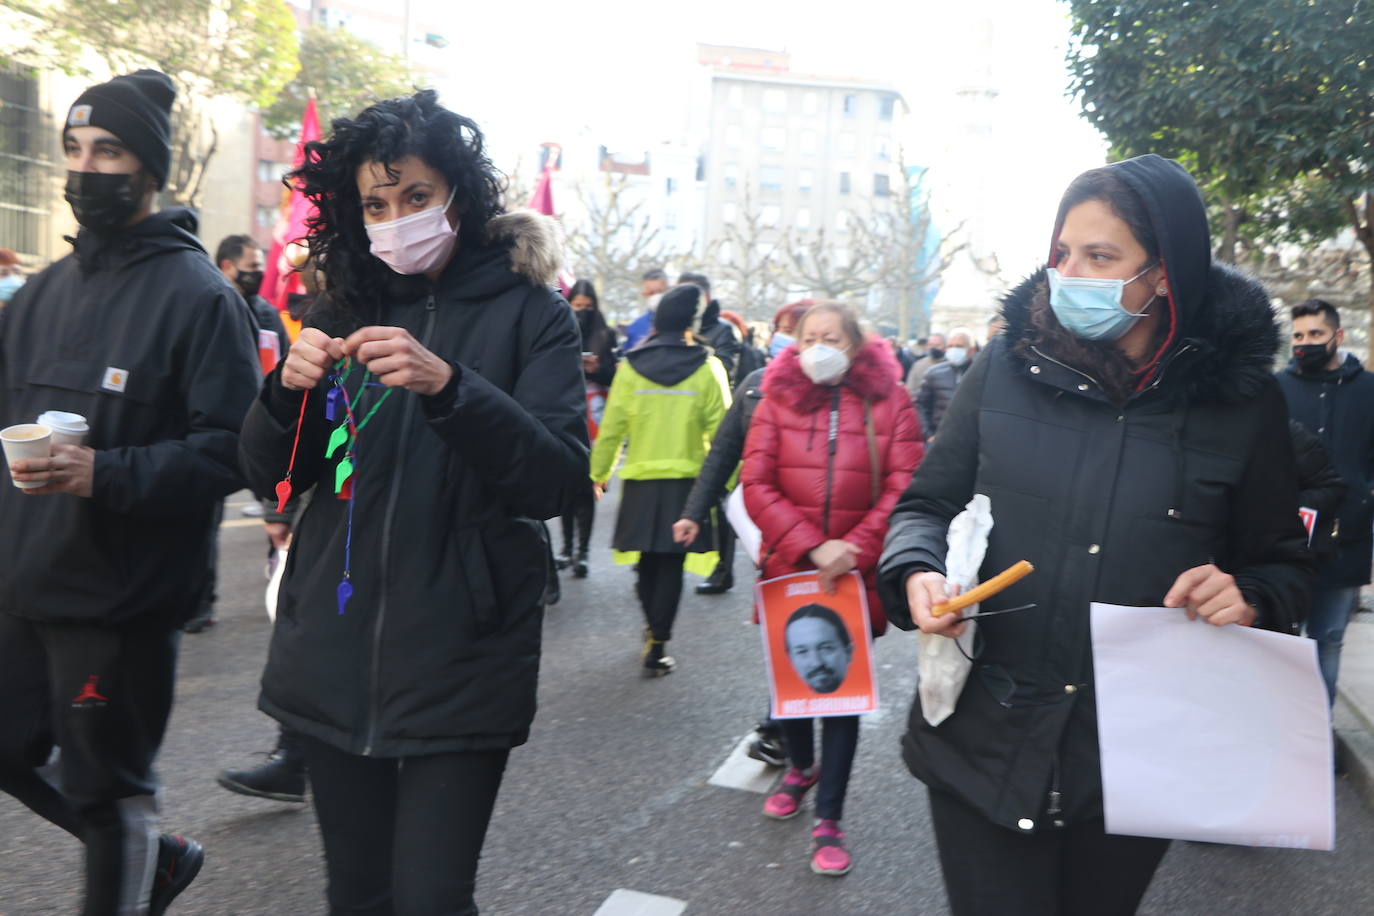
819	647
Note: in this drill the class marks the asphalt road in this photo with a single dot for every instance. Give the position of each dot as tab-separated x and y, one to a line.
612	791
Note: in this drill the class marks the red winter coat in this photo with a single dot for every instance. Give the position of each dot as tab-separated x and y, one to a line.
789	476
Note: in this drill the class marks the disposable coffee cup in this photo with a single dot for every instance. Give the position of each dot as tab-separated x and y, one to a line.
27	440
67	428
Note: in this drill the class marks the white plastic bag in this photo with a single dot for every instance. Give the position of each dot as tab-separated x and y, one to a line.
943	667
274	583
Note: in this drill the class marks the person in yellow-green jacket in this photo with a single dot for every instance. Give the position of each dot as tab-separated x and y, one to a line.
667	399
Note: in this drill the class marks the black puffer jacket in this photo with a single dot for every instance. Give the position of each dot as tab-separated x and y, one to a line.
937	390
1111	503
1320	487
723	339
1338	406
438	650
727	449
141	335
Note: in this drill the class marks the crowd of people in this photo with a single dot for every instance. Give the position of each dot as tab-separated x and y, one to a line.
443	399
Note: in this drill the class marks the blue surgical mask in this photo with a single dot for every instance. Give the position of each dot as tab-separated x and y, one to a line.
1091	308
9	286
780	342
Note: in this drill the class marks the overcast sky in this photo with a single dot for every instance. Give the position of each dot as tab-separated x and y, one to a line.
615	68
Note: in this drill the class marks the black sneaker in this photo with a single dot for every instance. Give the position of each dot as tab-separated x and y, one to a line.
200	623
720	581
281	778
579	566
656	663
767	747
178	862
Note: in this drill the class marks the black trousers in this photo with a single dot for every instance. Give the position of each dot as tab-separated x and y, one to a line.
106	696
660	591
725	545
1079	870
839	742
578	516
402	836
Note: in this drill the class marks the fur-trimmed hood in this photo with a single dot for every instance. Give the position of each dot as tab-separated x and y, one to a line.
1224	350
535	242
874	374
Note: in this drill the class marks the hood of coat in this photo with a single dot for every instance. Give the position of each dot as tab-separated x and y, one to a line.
1224	352
1347	370
173	229
873	374
665	359
711	317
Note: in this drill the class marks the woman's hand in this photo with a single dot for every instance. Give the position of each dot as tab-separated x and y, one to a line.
310	358
398	360
1211	594
590	362
924	590
685	531
833	559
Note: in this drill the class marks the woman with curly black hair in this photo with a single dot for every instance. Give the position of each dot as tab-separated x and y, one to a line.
436	391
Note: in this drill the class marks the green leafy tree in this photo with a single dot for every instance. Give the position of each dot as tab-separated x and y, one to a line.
242	49
1269	102
346	73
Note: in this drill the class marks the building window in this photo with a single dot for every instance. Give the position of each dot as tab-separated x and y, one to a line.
848	144
842	222
881	185
803	218
735	97
670	186
267	216
774	139
851	105
730	174
269	170
809	103
770	178
729	212
769	214
884	146
886	105
733	136
808	141
775	100
806	179
844	182
670	218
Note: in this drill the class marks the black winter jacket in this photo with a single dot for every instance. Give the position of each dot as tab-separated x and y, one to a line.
1320	487
141	335
1339	407
1110	503
438	650
723	339
937	390
727	449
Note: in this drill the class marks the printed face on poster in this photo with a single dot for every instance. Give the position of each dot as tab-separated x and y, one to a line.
819	647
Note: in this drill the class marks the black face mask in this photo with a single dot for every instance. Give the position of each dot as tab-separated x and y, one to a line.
1312	357
937	352
249	282
102	202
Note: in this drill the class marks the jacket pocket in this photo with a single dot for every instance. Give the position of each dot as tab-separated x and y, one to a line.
472	552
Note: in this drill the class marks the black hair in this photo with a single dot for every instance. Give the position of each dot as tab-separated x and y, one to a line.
696	280
585	287
657	273
1318	307
821	612
1106	185
233	247
385	133
594	322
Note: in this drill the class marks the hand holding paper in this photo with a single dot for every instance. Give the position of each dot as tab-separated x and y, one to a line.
1211	594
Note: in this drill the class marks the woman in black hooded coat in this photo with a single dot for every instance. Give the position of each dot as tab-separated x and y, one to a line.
1136	454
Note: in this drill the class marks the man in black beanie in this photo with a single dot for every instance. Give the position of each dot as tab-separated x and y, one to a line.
103	549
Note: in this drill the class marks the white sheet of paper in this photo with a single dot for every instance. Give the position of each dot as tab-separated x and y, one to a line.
1220	734
748	533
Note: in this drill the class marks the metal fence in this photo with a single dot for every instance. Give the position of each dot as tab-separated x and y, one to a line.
28	141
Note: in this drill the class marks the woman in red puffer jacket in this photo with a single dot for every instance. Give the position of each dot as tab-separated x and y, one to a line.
830	449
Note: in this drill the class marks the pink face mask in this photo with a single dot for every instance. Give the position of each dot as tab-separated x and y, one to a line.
415	244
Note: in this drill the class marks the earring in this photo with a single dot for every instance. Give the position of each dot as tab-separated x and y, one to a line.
1162	291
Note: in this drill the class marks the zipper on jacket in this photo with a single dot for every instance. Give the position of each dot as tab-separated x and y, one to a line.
1036	351
832	440
397	472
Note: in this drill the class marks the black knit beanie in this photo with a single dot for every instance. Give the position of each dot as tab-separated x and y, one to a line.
680	310
136	108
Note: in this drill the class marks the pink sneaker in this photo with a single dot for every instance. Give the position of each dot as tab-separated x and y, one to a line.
786	802
829	854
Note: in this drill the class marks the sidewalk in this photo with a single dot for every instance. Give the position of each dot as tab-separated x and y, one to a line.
1353	715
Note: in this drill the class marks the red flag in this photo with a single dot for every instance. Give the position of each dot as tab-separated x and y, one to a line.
541	201
279	280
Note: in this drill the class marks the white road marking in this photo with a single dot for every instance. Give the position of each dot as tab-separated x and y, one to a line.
624	902
740	771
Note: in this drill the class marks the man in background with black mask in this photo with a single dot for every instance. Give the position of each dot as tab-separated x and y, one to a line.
101	558
240	260
1330	394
